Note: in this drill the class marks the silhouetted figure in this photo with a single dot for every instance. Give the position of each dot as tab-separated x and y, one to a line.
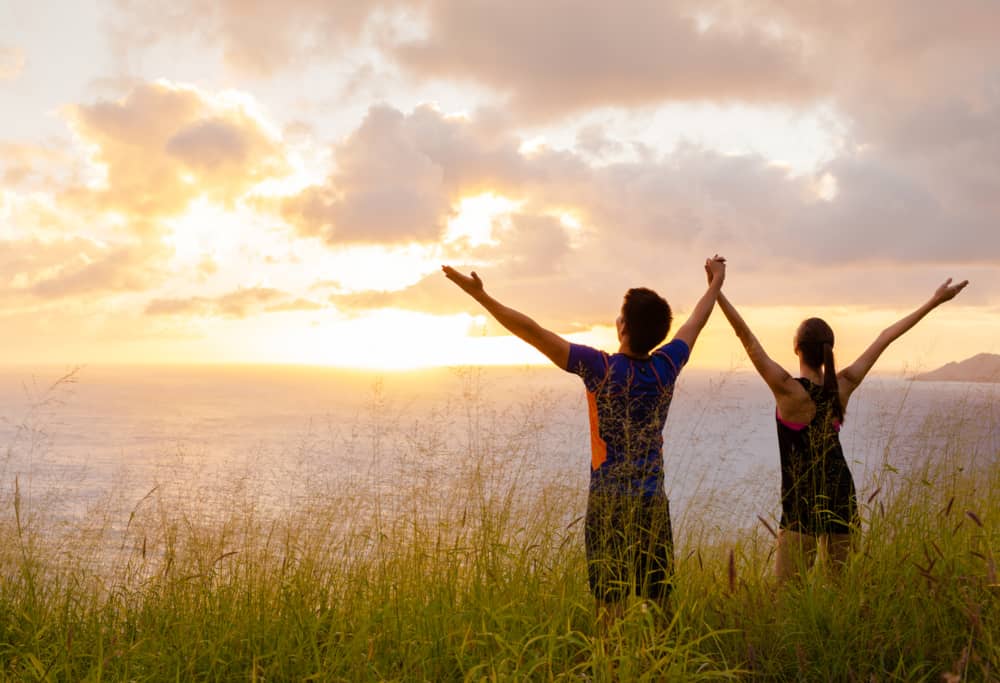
628	536
818	500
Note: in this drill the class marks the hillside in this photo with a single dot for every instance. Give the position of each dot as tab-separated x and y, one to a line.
984	367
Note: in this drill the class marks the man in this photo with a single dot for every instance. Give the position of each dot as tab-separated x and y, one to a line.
628	536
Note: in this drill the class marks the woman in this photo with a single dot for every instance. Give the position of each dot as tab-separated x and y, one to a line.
817	492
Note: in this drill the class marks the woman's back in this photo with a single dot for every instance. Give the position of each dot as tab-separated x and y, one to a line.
817	491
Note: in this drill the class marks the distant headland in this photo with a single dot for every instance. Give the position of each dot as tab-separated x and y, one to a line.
983	367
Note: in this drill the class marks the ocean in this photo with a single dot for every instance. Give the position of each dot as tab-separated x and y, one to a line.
101	438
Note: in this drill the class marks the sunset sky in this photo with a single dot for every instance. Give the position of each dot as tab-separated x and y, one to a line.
209	181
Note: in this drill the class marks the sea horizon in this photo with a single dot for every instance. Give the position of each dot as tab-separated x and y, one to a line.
196	429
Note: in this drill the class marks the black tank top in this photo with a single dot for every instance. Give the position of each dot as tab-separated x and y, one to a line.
817	490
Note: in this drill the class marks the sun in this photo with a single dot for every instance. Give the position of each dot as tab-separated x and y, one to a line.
475	217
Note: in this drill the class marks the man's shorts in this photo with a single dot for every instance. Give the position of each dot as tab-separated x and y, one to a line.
630	547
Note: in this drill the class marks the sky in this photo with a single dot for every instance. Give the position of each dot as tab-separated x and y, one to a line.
217	181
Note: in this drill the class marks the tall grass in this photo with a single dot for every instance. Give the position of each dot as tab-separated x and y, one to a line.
480	575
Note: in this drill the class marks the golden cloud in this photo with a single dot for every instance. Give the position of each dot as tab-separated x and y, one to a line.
11	63
72	266
240	303
164	145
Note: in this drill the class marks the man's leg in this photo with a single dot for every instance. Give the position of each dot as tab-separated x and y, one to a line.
655	561
796	554
605	548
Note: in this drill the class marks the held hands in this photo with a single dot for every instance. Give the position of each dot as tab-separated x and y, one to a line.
715	267
472	286
948	291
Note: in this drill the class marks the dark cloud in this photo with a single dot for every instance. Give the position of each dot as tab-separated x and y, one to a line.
653	221
211	144
691	197
397	177
912	187
918	85
572	56
546	59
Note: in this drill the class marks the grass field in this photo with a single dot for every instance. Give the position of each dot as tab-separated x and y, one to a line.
485	579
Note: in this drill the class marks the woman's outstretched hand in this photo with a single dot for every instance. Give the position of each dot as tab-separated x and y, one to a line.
715	267
472	286
948	291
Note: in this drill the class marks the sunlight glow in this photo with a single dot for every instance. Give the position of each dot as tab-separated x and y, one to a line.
476	216
391	339
307	167
827	187
532	145
383	339
369	267
570	221
206	229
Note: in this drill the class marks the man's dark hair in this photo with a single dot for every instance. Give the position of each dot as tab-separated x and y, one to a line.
647	318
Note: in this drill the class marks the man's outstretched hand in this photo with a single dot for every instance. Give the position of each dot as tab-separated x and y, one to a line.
472	286
715	267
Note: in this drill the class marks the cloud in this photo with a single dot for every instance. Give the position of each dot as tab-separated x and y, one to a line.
210	145
396	178
918	87
164	145
21	260
74	266
690	197
241	303
299	304
257	41
158	149
915	172
11	63
652	221
548	58
126	268
572	56
36	166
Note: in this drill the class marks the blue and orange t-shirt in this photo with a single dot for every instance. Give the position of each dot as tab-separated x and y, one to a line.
628	402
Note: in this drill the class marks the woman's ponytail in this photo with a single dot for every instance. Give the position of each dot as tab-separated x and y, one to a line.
830	380
814	342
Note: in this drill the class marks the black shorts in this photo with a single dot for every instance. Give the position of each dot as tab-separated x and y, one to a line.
630	546
825	504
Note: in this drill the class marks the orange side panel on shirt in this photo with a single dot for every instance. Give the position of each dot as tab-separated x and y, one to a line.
598	449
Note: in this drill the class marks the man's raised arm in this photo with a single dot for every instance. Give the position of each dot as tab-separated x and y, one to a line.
689	331
554	347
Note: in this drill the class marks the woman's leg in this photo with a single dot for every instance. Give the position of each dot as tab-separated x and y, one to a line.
608	613
796	553
838	547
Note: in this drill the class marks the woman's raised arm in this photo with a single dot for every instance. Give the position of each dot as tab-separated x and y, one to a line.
782	384
850	377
